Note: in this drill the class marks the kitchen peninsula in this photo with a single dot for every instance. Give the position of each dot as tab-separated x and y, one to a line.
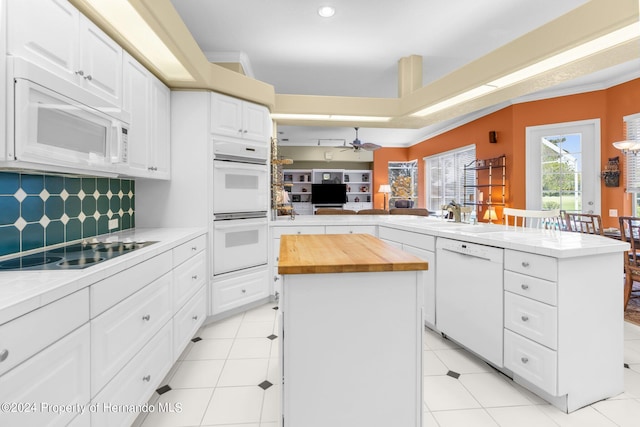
559	298
351	327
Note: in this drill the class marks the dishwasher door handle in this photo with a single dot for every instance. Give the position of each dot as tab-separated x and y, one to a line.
465	254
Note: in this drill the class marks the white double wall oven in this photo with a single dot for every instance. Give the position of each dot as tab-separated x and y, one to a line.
240	204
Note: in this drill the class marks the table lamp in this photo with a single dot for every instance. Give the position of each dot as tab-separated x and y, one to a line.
384	189
490	215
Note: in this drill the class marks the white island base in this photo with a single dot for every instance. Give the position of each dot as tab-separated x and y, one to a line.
351	349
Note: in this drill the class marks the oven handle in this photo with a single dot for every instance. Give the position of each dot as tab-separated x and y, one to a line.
238	223
221	164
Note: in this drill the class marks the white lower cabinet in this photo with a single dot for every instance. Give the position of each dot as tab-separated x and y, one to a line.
187	321
58	375
120	332
135	383
236	289
531	361
188	278
352	229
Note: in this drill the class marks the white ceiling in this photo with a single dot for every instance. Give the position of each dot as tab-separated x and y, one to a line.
355	53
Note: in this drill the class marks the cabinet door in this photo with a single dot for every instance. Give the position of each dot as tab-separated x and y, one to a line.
160	131
226	115
256	122
428	278
136	101
59	375
101	63
46	33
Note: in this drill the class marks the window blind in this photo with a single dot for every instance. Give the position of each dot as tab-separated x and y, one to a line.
445	176
632	169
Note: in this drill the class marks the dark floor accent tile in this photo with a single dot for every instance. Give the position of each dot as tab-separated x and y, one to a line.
265	385
272	337
453	374
163	389
196	339
626	365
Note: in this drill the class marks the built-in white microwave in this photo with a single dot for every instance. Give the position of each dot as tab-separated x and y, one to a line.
52	127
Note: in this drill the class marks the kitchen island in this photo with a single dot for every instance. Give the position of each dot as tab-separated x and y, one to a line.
351	327
558	302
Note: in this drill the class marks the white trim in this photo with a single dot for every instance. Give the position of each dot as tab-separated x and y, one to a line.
531	175
455	150
631	117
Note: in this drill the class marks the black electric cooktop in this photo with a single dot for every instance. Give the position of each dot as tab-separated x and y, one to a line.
72	257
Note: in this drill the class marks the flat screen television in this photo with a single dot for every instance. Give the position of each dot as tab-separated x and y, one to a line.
328	194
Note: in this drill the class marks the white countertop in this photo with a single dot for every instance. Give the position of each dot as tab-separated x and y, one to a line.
24	291
554	243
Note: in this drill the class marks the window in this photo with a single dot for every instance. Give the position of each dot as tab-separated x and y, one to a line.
632	170
403	179
445	176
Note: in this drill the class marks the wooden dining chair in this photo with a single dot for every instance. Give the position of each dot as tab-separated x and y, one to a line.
527	218
584	223
332	211
630	233
373	212
409	211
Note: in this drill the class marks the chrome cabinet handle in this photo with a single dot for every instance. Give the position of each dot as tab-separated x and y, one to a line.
276	278
195	317
146	317
525	318
194	277
146	378
88	77
80	73
245	131
3	355
244	291
524	286
194	248
524	359
525	264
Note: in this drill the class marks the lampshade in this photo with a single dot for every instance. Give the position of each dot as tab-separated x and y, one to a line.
384	188
628	146
490	214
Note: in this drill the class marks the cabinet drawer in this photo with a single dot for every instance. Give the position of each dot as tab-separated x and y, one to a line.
187	321
351	229
531	287
540	266
188	278
422	241
533	362
189	249
305	229
531	319
135	383
238	289
108	292
44	326
119	333
59	375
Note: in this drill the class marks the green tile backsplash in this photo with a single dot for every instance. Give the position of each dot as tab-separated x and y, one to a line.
44	210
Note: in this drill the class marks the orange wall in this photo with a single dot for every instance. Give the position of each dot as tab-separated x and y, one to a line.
381	159
510	123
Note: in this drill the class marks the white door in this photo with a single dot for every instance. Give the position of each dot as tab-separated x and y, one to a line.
563	166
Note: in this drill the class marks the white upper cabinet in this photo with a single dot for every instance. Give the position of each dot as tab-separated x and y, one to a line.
147	99
240	119
58	38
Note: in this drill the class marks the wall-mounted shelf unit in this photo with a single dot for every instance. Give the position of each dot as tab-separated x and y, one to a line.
485	182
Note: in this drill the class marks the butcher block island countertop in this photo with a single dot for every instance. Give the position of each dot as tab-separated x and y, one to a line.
342	253
340	294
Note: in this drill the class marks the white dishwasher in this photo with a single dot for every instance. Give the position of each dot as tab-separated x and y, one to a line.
469	296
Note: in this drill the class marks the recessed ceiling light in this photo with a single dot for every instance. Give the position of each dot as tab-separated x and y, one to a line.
326	11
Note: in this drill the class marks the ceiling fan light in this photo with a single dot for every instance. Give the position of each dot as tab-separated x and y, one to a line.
326	11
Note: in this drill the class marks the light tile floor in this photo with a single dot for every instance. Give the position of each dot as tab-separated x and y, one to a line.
216	382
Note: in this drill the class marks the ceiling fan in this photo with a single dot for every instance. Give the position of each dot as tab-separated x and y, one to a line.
358	145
